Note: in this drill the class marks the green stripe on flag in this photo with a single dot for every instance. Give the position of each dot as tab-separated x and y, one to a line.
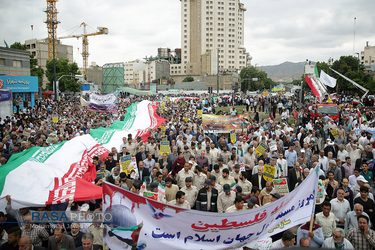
38	154
126	228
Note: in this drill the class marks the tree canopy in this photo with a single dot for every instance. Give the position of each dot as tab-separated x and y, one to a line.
254	79
63	67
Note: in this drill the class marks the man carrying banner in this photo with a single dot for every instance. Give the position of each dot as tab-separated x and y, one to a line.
180	201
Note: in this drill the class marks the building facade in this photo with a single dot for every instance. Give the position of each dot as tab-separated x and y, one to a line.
212	33
39	48
368	59
14	61
156	69
133	71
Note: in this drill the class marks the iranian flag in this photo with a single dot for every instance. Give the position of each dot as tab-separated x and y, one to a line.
314	87
61	172
358	102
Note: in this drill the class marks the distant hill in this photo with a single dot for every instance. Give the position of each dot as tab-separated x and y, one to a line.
285	72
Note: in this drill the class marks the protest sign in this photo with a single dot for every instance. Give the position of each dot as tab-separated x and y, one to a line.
281	186
125	163
334	133
26	132
55	118
151	195
162	129
101	175
199	113
269	172
261	149
320	196
233	137
164	147
273	146
152	223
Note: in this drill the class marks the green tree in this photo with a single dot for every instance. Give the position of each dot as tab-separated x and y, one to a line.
63	67
35	70
18	45
350	67
188	79
254	79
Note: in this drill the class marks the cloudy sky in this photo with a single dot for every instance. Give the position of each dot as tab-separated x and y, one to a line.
275	30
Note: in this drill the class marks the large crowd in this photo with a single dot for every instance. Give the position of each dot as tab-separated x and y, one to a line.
206	171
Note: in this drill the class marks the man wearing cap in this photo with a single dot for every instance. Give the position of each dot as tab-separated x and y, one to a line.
236	172
244	183
191	192
251	202
238	205
185	172
360	182
225	178
207	198
330	148
180	201
226	198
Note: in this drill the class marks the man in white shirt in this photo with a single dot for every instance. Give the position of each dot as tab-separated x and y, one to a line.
326	220
238	205
340	207
323	160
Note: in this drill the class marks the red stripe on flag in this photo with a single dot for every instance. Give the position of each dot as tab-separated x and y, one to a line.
312	86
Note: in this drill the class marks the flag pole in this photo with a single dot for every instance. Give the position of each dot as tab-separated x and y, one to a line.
316	171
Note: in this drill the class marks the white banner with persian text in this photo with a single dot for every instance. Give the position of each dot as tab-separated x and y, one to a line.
140	222
102	99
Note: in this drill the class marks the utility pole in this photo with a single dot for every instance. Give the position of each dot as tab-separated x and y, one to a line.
54	61
218	58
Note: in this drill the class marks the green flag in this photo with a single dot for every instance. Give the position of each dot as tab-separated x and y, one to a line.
316	71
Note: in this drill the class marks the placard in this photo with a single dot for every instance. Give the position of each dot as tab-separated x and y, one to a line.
262	147
164	147
273	146
334	133
269	172
26	132
151	195
125	163
281	186
199	113
55	118
233	137
101	175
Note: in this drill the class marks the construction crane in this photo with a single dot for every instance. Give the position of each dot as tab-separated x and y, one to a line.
51	26
85	42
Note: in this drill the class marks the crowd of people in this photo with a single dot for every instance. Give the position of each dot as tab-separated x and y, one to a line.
206	171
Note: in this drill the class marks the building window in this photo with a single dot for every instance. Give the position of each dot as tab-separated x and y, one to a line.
17	64
2	61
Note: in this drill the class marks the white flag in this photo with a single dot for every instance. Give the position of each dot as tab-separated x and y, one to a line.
327	80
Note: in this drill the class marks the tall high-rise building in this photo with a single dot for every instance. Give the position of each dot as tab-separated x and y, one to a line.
211	28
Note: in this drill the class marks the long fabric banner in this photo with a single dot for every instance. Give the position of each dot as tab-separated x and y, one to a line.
102	99
141	222
223	123
50	175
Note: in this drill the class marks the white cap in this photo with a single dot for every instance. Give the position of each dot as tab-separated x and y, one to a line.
84	208
361	178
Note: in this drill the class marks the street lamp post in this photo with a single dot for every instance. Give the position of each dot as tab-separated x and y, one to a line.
57	83
358	60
